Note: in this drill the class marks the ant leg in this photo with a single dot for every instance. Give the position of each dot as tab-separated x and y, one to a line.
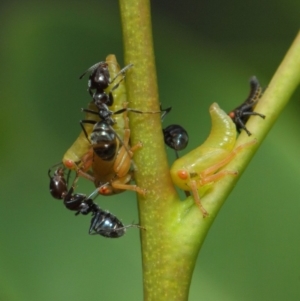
52	167
92	68
142	112
129	226
121	72
242	125
254	113
164	112
82	122
68	197
94	221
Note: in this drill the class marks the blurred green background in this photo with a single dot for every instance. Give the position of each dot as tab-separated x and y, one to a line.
206	51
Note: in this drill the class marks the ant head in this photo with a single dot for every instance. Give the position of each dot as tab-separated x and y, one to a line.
99	78
58	184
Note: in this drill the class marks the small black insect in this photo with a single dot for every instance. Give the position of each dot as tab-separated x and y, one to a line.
103	222
241	114
176	137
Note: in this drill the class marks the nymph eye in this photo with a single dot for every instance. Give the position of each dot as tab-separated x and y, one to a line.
183	174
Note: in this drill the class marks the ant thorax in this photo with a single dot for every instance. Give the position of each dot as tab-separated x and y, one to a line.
101	97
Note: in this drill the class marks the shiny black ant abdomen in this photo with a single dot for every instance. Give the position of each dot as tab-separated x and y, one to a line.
176	137
107	225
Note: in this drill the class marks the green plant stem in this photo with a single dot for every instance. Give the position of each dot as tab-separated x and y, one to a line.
175	230
166	272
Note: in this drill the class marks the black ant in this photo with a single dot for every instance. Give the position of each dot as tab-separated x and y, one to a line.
103	133
102	223
175	136
241	114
